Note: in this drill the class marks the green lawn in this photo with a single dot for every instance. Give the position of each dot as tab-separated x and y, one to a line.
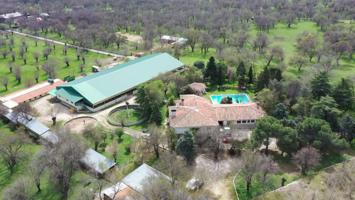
259	187
123	156
127	115
28	70
189	57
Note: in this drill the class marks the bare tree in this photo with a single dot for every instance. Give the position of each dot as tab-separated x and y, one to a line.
5	82
11	150
154	139
36	76
193	36
113	150
23	111
307	44
298	61
37	168
172	165
36	56
252	163
261	42
19	190
4	54
67	61
275	53
10	66
63	159
18	74
210	139
94	134
306	158
268	166
50	67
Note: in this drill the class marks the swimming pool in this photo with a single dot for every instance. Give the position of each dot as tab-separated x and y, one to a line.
236	98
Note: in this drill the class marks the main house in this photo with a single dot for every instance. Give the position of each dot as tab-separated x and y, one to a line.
105	88
193	111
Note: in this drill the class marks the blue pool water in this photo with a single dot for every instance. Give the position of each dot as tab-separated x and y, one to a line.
236	98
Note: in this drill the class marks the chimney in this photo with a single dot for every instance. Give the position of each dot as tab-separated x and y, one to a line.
173	113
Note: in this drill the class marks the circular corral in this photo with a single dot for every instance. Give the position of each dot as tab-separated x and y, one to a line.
78	124
127	115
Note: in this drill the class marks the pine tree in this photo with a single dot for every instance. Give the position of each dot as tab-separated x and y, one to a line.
344	95
251	75
241	75
263	79
211	69
220	77
185	147
241	71
320	86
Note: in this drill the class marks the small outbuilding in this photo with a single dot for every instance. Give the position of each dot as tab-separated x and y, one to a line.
97	162
133	183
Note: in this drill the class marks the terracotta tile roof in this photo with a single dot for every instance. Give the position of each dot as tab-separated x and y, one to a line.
195	111
234	112
198	87
33	92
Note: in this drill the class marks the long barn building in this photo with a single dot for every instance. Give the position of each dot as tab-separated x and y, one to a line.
108	87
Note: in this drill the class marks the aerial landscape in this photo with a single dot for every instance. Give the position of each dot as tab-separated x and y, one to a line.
177	100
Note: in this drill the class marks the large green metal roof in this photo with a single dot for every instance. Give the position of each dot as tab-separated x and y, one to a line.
100	86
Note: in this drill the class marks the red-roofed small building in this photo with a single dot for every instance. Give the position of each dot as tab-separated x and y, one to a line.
193	111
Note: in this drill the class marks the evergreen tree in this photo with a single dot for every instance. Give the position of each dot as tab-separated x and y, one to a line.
150	97
347	127
220	77
317	133
185	147
344	95
241	75
320	86
211	69
287	140
275	73
250	75
326	109
263	79
280	111
266	128
241	71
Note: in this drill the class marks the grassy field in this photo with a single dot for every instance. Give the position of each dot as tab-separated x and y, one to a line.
21	169
28	70
286	38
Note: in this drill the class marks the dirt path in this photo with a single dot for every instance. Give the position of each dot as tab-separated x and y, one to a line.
220	190
62	43
215	175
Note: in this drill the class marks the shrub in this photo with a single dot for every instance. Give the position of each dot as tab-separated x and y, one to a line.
199	64
127	150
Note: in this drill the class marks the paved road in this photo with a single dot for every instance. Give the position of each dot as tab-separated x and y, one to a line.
62	43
